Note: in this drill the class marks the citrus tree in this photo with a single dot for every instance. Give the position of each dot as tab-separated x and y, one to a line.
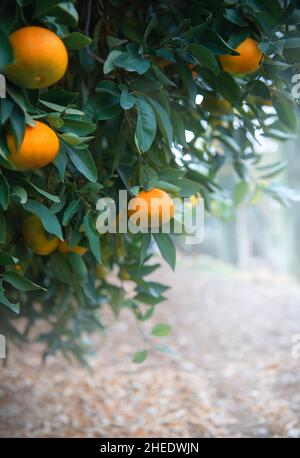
99	98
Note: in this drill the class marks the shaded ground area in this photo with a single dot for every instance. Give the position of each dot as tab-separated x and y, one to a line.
233	373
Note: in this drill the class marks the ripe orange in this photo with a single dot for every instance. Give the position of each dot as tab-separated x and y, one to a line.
157	204
36	238
40	146
40	58
64	248
247	62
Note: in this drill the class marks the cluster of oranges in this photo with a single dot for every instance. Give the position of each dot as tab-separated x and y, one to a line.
40	60
36	238
159	207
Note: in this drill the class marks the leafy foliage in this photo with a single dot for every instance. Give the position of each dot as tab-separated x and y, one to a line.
121	113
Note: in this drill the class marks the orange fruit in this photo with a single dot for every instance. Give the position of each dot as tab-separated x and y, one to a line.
40	146
40	58
157	204
64	248
36	237
247	62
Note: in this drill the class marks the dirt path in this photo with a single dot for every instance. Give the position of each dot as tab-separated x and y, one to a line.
232	373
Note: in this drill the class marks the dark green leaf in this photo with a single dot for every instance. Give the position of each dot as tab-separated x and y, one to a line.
49	220
163	121
19	282
76	40
83	161
166	248
4	192
205	57
93	237
146	125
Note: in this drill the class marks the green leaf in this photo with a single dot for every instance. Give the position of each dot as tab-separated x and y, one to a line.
6	109
70	211
93	237
228	88
3	300
6	54
60	108
74	139
83	161
44	6
62	268
149	299
66	14
126	100
41	191
78	127
103	106
76	40
132	61
213	41
186	77
59	95
285	111
17	122
179	127
61	161
108	86
15	307
146	125
145	316
113	41
19	192
140	356
7	259
19	282
109	64
169	187
205	57
188	187
4	192
163	121
78	267
148	177
161	330
152	23
145	244
49	220
166	248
